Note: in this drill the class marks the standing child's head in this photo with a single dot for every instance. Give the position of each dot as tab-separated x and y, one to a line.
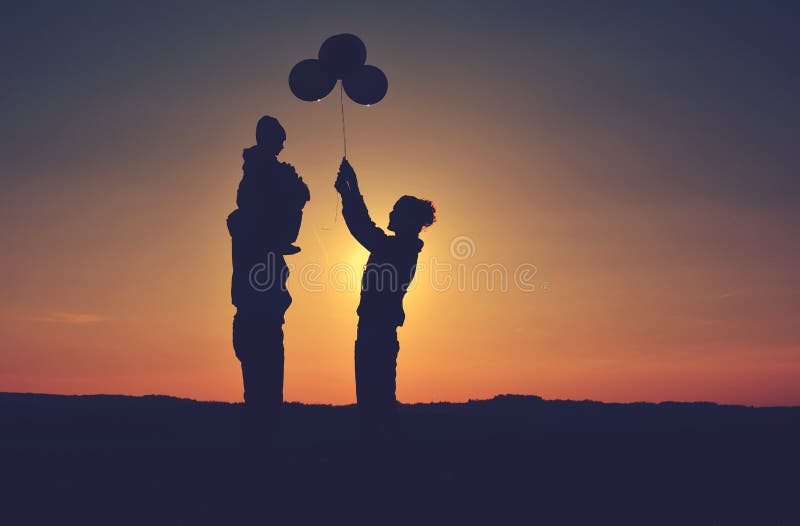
411	214
270	135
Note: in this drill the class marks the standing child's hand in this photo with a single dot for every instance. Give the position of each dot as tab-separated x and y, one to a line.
341	178
341	183
347	170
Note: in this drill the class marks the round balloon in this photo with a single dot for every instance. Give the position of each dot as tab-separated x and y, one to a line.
342	54
366	85
309	81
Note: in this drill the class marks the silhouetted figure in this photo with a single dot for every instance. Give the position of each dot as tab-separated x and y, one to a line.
270	192
271	198
389	270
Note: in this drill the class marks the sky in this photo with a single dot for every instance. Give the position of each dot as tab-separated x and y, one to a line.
616	185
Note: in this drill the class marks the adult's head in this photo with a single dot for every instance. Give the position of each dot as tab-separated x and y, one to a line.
410	215
270	135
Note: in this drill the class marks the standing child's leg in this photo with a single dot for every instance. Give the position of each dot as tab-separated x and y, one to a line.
387	384
376	365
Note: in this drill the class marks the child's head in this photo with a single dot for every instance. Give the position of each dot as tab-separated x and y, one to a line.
270	135
411	214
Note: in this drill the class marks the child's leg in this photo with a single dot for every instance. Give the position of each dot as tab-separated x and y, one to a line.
290	232
293	226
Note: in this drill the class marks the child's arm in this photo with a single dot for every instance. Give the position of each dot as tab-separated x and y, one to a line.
354	210
300	194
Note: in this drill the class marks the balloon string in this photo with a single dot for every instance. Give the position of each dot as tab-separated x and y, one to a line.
344	143
341	104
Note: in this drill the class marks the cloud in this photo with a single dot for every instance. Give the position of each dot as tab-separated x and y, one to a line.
70	317
730	293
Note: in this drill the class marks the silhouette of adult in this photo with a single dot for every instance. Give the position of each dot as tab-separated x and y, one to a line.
389	270
270	200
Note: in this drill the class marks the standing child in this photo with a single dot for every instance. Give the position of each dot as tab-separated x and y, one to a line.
387	275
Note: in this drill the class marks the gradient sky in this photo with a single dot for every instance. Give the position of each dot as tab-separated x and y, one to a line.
642	156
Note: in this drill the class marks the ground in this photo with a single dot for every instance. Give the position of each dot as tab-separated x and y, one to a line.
509	460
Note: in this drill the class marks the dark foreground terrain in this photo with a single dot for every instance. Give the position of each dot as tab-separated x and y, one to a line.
510	460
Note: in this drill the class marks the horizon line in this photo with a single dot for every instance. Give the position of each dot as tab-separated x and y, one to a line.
469	401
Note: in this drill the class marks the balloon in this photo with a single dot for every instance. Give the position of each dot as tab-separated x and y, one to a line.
309	81
342	54
366	85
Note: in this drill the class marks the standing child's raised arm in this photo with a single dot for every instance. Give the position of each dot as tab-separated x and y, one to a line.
355	211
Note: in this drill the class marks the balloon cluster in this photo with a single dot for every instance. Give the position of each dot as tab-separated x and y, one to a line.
340	57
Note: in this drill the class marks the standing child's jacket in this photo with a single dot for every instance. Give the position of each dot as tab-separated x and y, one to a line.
390	268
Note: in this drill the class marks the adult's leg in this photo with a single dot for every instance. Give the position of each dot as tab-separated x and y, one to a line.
262	372
258	343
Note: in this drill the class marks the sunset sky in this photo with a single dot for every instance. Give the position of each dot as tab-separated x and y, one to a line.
643	157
